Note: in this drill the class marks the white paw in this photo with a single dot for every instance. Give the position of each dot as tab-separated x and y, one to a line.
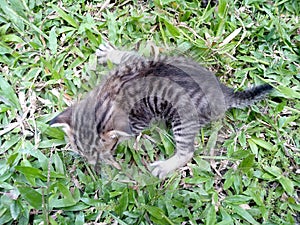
103	53
162	168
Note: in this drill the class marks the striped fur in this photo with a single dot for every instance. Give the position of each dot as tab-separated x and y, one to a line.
140	90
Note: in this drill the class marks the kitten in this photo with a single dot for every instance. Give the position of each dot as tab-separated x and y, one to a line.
140	90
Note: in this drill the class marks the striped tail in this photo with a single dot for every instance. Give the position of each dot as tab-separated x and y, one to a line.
245	98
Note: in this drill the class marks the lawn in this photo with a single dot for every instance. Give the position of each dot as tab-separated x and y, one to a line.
246	166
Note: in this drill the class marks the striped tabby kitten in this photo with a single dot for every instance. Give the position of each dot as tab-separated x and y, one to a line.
140	90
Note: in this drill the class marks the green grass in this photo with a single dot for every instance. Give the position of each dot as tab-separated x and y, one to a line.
247	174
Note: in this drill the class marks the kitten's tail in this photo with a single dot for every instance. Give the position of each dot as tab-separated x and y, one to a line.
245	98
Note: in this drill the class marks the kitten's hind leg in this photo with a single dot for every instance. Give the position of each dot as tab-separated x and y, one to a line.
184	138
162	168
107	52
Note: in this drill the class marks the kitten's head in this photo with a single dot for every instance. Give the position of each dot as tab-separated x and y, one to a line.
88	136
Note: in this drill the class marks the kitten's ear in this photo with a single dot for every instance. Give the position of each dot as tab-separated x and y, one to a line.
63	119
117	134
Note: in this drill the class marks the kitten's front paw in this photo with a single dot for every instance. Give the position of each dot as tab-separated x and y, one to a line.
103	53
161	168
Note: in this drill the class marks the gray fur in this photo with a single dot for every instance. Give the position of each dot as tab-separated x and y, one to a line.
141	90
